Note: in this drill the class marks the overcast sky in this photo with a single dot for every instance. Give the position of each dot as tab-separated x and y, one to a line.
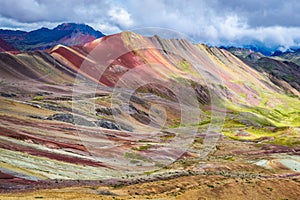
215	22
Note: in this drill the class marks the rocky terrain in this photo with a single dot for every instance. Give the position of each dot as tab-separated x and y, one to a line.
127	116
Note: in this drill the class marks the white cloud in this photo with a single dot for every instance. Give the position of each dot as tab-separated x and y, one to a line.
16	25
106	28
120	16
216	22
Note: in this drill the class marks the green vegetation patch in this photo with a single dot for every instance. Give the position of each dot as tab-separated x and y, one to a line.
142	148
285	136
38	98
135	156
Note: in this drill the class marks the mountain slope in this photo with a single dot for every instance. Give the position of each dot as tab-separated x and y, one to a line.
127	59
174	57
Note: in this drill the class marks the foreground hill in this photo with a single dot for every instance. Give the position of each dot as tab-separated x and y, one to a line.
126	109
44	38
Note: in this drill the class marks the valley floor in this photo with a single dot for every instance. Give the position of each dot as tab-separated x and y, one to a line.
187	187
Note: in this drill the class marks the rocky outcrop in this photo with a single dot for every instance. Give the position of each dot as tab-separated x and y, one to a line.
108	124
78	120
69	118
107	111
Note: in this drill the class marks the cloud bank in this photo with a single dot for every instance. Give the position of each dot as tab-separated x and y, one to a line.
275	23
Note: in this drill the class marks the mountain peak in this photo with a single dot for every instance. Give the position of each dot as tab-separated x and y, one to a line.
72	26
65	26
83	28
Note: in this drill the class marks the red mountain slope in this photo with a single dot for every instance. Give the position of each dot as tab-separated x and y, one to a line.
6	47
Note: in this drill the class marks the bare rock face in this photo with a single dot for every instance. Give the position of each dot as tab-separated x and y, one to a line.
107	111
3	94
78	120
108	124
72	119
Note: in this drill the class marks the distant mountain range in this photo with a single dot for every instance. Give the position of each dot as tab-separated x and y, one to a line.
281	67
69	34
263	50
73	34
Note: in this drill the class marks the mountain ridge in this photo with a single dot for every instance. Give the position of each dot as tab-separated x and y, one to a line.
256	46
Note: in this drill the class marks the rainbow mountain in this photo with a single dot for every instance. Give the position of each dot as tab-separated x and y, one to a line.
128	105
